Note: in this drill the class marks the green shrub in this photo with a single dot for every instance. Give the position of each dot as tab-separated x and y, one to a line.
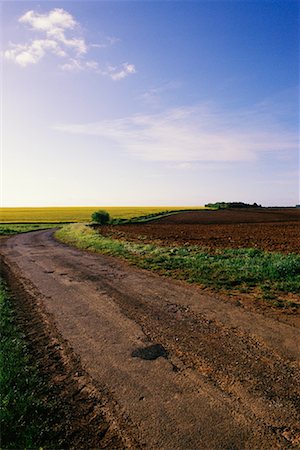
101	217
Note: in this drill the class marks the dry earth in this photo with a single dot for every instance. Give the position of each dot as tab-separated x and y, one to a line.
153	362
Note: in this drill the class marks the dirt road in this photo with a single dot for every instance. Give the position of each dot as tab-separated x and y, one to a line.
180	369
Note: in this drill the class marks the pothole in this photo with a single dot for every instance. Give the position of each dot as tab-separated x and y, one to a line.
150	353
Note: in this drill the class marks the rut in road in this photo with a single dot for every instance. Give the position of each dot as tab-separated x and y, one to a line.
186	369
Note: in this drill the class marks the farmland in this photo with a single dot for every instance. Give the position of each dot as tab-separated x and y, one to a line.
273	229
78	214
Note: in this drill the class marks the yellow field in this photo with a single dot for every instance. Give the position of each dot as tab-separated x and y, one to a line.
78	214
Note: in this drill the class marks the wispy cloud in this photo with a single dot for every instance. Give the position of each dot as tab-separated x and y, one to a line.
107	42
25	54
117	73
191	134
60	34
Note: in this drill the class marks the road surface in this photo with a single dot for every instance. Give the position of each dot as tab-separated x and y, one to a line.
183	369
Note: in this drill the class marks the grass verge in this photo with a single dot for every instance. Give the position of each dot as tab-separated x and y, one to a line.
24	414
7	229
270	274
149	217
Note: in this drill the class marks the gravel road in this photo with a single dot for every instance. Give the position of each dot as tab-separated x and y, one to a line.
181	369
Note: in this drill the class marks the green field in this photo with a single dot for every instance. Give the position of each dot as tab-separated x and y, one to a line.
79	214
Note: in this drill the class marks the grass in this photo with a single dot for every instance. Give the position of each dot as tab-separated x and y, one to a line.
147	217
24	415
8	229
231	269
79	214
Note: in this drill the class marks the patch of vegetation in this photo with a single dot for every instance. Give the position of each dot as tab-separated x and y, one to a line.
101	217
149	217
229	269
229	205
24	415
79	213
7	229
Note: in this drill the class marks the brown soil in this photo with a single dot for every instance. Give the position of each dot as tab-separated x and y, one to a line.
266	229
251	215
165	365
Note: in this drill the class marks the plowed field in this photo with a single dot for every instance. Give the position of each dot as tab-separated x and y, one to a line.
271	229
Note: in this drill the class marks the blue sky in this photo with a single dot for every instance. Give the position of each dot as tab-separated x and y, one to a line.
150	102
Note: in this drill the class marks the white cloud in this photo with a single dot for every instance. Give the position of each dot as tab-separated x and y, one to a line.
53	28
115	73
33	52
56	20
107	42
75	65
93	65
54	24
188	135
118	74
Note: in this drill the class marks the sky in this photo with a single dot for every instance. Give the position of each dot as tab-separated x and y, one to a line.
163	103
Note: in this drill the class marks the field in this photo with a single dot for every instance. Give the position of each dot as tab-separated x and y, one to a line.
78	214
273	229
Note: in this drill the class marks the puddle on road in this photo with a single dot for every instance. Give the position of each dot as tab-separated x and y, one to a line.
150	353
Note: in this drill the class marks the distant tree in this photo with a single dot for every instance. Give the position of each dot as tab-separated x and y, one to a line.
101	217
228	205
